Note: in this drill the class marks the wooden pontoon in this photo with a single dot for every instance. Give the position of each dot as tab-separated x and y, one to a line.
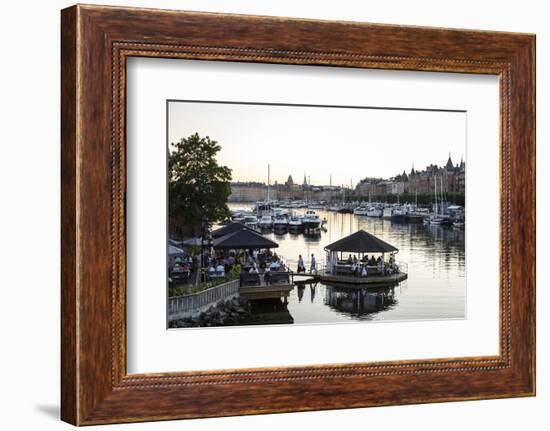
362	281
272	291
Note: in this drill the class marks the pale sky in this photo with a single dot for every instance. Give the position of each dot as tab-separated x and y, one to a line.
349	143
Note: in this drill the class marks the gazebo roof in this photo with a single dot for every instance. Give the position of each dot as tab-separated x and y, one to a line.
361	242
229	228
244	238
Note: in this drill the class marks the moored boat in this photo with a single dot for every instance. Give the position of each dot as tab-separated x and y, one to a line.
280	221
266	222
295	222
375	211
311	220
361	211
399	214
250	221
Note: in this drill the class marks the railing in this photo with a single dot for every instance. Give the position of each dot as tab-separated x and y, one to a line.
403	266
186	305
292	264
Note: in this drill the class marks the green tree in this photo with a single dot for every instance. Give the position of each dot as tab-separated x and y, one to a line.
198	187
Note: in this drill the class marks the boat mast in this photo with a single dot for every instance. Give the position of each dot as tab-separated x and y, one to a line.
343	195
442	194
268	180
435	195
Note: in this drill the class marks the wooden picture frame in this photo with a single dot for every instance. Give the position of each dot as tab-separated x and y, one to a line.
95	43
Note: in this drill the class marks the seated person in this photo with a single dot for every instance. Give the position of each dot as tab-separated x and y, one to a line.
220	269
275	265
211	271
253	269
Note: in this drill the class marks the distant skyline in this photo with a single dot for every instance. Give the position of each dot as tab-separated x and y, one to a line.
347	143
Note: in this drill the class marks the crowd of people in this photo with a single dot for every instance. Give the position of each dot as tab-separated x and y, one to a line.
252	261
362	267
222	264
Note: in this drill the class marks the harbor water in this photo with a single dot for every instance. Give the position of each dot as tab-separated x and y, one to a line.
434	256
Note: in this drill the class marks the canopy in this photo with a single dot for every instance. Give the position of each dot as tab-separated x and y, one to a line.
230	228
192	241
361	242
242	239
173	250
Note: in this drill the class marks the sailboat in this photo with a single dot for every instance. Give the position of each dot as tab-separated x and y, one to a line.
437	218
344	208
266	205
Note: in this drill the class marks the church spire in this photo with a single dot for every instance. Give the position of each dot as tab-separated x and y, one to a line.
449	164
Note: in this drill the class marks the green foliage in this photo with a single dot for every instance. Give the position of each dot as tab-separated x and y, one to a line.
198	187
188	290
236	271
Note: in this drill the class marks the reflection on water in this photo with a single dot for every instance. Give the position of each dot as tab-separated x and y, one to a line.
360	303
435	289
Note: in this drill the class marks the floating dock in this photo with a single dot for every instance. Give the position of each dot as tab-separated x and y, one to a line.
272	291
362	281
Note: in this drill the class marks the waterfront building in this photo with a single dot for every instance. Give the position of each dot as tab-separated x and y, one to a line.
250	192
287	191
452	179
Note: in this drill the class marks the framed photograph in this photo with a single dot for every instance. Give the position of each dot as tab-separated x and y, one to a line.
266	215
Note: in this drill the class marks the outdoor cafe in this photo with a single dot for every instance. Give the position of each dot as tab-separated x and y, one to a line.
252	252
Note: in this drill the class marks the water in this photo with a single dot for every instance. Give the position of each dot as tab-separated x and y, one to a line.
435	288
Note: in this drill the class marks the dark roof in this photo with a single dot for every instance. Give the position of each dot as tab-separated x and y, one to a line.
361	242
449	164
227	229
244	238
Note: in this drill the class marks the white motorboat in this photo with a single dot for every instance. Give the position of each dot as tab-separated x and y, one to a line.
238	216
250	221
280	221
266	222
316	206
361	211
295	222
374	211
399	213
436	219
311	220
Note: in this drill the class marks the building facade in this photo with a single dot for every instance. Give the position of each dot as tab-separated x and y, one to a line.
450	178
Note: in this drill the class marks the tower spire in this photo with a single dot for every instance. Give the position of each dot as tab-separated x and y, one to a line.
449	164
